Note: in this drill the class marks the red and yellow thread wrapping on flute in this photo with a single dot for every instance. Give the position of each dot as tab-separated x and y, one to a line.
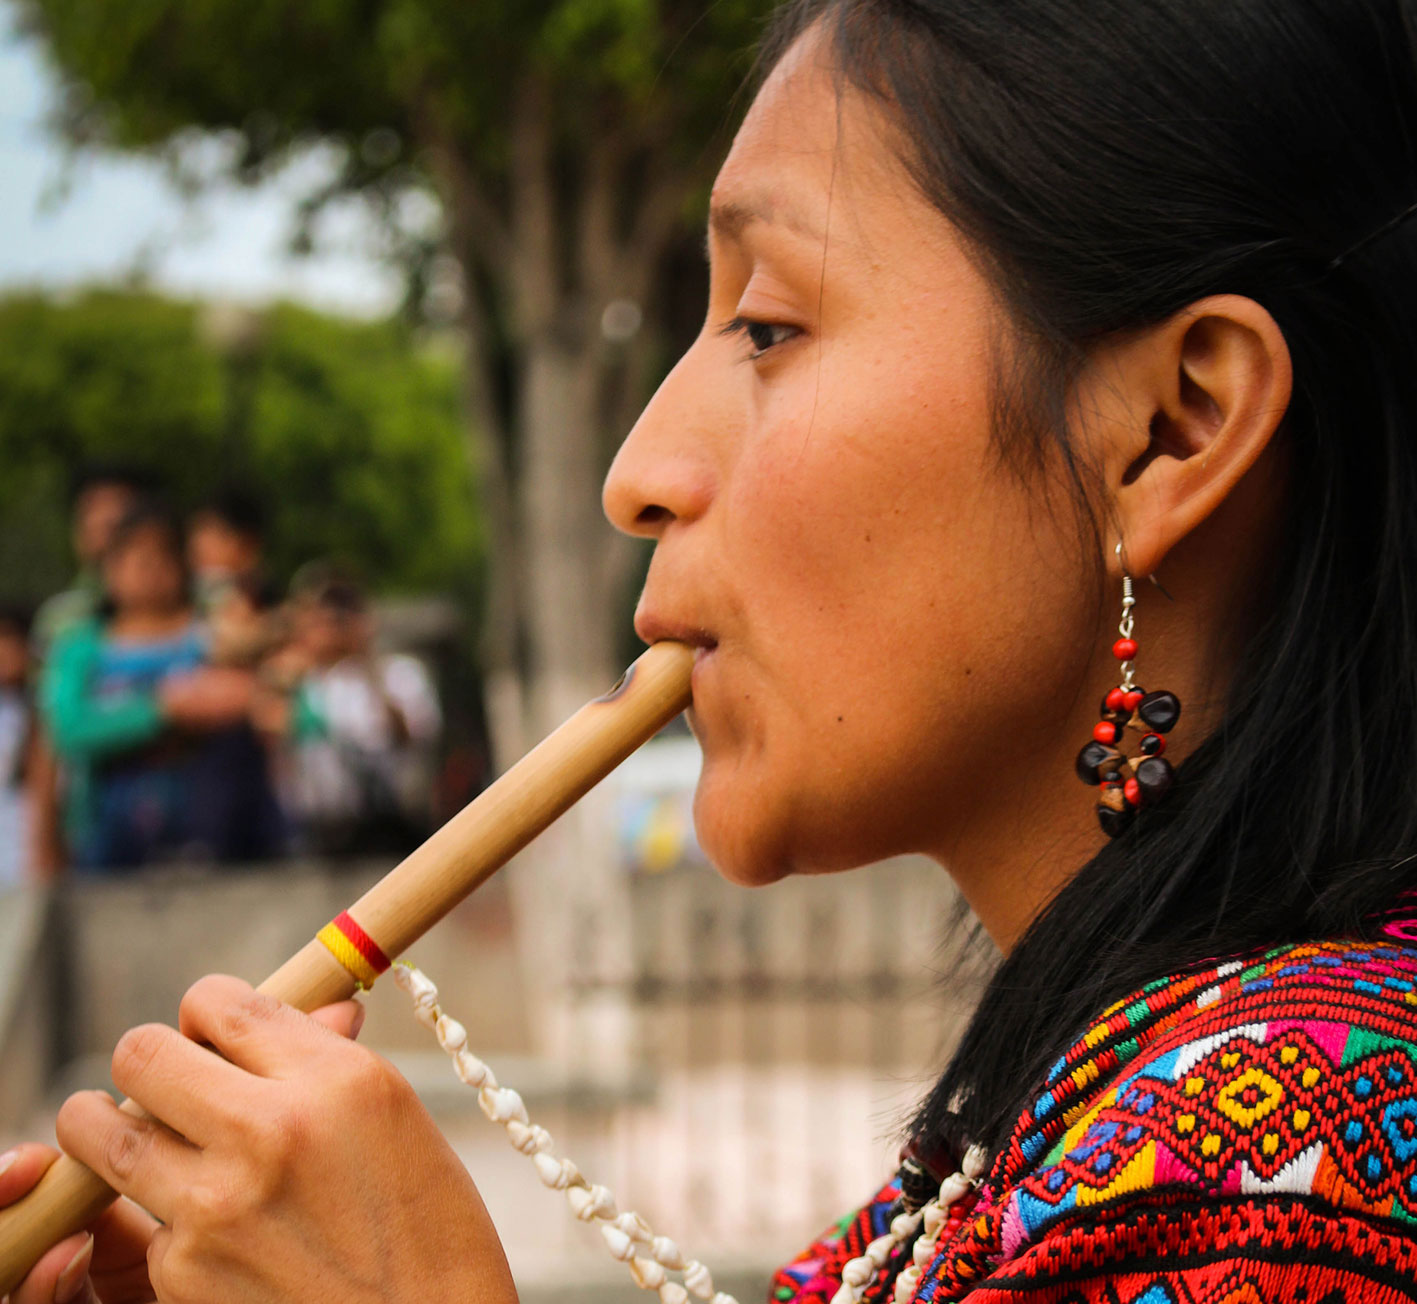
354	949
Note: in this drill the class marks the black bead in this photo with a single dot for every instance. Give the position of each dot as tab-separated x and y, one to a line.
1150	745
1155	777
1160	711
918	1186
1116	822
1093	759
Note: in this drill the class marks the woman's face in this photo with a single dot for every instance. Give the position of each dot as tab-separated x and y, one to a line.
887	618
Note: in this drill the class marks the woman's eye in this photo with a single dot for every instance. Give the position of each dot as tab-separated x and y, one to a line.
762	335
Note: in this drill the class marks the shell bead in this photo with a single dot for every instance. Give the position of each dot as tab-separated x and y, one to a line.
1160	711
858	1271
648	1274
699	1280
628	1236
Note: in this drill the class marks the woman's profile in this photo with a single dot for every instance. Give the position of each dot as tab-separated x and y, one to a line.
1015	308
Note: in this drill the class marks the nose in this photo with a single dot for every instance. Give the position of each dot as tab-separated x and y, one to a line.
664	470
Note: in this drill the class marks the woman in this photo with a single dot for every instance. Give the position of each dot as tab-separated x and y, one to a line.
1007	299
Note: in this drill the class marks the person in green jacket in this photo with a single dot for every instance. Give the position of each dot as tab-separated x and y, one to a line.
126	696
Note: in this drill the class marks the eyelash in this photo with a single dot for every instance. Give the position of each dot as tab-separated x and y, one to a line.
748	326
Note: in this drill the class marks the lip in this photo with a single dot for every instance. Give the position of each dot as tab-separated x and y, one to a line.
653	627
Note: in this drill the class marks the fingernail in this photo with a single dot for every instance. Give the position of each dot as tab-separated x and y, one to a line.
8	1161
359	1013
71	1280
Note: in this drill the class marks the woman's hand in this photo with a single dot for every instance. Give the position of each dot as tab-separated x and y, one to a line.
289	1164
108	1263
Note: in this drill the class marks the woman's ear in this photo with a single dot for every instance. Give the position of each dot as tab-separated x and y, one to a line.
1192	404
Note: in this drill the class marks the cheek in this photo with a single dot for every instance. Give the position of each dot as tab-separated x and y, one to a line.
864	568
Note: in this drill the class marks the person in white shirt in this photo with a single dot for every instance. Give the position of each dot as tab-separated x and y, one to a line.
363	729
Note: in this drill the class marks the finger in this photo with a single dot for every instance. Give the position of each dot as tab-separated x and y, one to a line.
21	1168
44	1279
189	1088
136	1156
251	1029
343	1019
157	1254
122	1232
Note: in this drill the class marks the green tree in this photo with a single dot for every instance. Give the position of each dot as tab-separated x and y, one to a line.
566	142
352	432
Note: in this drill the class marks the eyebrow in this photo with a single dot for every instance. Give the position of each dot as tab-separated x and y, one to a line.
729	219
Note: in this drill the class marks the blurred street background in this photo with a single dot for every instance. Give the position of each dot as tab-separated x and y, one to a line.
319	325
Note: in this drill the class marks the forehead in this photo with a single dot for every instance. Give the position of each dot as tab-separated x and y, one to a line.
809	144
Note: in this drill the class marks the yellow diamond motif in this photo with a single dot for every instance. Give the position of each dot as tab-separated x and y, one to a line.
1254	1095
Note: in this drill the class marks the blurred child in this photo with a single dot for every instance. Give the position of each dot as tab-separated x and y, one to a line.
129	701
363	728
17	739
225	547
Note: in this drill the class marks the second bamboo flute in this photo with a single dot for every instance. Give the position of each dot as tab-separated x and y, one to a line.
408	901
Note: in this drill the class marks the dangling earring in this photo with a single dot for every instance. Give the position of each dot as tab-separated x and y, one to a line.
1129	783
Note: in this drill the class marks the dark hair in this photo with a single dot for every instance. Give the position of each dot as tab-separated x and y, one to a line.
117	475
1112	162
239	509
148	513
15	621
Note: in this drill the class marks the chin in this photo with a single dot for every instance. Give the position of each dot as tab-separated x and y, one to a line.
731	831
753	836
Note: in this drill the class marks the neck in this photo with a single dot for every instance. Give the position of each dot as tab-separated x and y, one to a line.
1023	847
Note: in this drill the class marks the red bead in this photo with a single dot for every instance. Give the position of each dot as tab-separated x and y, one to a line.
1116	699
1132	700
1153	745
1131	790
1124	649
1106	732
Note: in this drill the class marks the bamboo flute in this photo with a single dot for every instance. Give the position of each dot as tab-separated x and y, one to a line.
411	898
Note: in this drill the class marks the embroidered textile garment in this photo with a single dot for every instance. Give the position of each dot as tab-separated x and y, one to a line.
1243	1133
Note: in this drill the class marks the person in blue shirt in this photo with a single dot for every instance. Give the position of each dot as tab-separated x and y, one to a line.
128	699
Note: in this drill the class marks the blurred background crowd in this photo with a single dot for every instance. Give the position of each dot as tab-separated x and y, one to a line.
173	705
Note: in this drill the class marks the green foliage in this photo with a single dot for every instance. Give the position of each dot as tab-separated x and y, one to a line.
142	73
352	432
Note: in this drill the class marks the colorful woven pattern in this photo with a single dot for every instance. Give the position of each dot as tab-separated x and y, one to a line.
354	949
1244	1133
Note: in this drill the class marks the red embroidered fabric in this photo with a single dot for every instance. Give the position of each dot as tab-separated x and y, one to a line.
1243	1133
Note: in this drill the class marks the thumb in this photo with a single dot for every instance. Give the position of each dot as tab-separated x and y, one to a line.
345	1018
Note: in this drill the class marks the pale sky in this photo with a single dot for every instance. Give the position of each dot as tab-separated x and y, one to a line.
116	214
